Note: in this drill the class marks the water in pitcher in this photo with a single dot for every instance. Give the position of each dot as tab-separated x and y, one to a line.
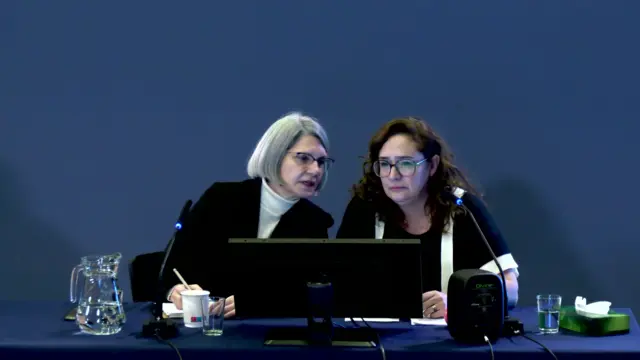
100	319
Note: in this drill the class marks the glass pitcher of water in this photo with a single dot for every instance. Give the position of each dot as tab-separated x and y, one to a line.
94	288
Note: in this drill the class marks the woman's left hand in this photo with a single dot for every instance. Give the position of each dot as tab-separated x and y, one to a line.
434	304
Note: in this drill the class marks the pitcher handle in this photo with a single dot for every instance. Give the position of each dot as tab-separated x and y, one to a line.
73	288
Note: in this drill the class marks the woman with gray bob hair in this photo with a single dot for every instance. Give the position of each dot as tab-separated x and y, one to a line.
280	140
288	165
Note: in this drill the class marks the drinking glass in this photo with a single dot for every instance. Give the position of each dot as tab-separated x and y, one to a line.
549	313
213	315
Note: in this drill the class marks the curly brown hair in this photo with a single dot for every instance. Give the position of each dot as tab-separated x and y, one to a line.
446	176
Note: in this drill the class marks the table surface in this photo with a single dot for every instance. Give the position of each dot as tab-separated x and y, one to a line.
30	328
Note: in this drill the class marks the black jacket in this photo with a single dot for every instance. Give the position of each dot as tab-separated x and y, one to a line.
232	210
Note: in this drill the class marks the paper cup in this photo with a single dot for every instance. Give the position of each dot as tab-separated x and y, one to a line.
192	307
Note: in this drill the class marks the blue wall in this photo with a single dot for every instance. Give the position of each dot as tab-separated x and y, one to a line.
113	113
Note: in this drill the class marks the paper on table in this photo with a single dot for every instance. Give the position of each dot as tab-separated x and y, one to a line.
171	311
435	322
373	319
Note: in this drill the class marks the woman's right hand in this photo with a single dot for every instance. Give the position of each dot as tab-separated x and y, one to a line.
176	294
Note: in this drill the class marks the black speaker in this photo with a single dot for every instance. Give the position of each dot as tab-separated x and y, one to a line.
475	306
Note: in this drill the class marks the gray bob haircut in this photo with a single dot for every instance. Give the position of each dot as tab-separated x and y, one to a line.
280	137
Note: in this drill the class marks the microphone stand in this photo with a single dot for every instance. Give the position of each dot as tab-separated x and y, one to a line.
159	327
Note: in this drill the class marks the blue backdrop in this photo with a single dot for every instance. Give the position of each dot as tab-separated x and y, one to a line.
113	113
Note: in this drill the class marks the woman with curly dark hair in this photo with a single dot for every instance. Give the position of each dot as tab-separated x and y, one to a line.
405	193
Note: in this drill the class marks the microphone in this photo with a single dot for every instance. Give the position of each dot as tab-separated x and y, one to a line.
460	203
159	327
511	326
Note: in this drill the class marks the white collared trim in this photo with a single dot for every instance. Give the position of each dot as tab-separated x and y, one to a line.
507	262
446	256
379	228
446	248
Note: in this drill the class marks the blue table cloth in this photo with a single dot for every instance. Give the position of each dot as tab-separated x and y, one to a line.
36	330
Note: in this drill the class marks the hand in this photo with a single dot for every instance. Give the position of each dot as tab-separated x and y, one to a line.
229	307
434	304
176	294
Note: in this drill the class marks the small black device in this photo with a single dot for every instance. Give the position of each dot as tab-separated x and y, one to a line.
475	306
465	299
321	279
158	326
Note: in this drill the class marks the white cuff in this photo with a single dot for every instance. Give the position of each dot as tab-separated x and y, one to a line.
507	262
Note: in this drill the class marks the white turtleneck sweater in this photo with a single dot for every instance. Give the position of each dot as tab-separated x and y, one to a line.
272	207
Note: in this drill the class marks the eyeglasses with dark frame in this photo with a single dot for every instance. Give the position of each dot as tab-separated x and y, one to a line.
307	159
405	167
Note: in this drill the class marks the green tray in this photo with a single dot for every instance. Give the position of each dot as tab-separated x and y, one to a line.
613	324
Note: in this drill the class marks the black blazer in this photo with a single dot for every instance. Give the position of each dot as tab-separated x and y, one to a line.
358	221
469	249
232	210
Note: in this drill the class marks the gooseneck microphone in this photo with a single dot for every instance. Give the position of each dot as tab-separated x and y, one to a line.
461	204
159	327
511	327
